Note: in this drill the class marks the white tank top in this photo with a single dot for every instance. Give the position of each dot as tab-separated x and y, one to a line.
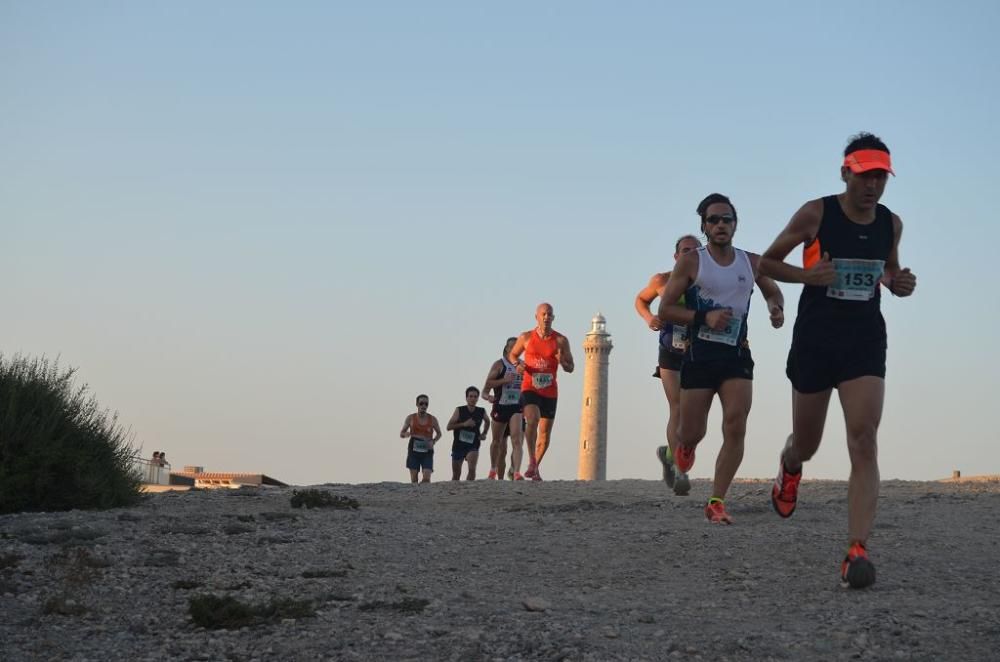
510	394
718	286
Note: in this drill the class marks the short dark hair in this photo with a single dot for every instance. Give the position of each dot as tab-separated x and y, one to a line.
677	246
711	199
507	342
865	140
425	397
471	389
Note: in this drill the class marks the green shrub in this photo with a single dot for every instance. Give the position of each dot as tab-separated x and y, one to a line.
9	560
185	584
58	449
406	605
211	611
311	498
226	612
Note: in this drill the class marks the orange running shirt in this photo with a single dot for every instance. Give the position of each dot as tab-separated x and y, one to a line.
541	364
422	430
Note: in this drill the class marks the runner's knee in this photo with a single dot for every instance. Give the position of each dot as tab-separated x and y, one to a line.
734	427
862	444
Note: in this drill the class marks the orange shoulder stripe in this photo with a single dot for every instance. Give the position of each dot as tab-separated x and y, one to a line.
811	254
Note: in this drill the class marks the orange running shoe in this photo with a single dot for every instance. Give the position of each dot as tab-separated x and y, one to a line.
492	475
857	571
716	513
785	491
684	458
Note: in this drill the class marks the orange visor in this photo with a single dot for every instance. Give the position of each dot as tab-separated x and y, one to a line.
864	160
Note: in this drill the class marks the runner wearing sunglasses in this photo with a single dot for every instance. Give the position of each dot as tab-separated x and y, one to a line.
716	281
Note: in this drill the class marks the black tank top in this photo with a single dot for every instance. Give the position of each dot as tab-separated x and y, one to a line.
464	414
849	310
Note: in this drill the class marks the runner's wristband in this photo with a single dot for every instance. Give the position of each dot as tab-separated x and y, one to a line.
699	317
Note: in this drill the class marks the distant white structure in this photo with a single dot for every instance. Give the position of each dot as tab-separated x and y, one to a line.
151	472
594	414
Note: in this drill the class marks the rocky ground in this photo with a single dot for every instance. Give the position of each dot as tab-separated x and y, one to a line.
618	570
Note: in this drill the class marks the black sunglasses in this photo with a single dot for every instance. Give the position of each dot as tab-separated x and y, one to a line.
421	404
727	219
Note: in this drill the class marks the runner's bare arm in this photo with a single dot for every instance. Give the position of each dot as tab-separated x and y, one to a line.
565	355
516	351
405	432
646	296
900	282
670	312
774	298
492	380
453	421
437	429
801	229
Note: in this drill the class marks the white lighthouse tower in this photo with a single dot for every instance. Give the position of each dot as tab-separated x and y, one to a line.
594	414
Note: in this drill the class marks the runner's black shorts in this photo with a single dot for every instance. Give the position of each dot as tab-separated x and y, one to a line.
503	413
546	406
813	368
669	360
711	374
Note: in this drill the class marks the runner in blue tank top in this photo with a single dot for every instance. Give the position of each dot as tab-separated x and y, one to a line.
672	345
851	251
717	282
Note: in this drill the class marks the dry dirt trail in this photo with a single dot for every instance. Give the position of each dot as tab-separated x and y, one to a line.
619	570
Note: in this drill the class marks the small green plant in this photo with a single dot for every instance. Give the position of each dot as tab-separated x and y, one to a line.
226	612
312	498
58	449
286	608
185	584
406	605
78	561
9	560
79	568
323	573
215	612
62	605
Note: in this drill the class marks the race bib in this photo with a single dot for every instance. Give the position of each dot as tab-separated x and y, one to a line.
421	445
679	339
727	336
467	436
510	396
856	279
542	379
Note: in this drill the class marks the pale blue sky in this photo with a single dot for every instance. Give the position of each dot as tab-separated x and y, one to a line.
260	229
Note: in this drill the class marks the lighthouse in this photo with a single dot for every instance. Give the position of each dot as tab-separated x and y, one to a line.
594	413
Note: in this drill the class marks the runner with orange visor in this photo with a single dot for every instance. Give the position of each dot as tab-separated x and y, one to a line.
851	253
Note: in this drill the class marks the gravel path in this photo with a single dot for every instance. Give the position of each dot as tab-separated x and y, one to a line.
559	570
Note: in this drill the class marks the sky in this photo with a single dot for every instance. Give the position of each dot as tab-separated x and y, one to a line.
258	230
